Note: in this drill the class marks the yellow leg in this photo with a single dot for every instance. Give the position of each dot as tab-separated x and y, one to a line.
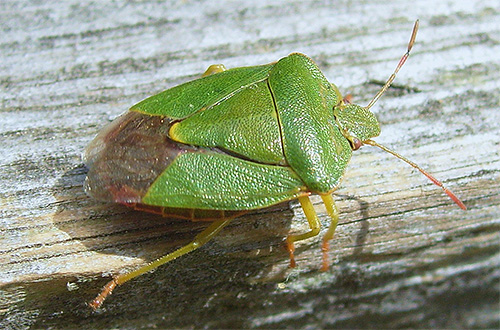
334	215
198	241
214	68
314	224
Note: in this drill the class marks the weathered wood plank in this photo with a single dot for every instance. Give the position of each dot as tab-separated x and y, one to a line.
404	255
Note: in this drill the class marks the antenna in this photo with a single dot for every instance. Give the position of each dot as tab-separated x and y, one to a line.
375	144
427	174
400	64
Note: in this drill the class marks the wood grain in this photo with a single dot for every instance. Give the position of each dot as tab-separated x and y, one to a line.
404	255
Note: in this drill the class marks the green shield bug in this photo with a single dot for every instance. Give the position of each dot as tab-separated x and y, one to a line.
233	141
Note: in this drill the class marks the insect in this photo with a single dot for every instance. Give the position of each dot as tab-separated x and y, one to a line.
233	141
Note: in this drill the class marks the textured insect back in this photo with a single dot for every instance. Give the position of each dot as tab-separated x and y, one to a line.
304	101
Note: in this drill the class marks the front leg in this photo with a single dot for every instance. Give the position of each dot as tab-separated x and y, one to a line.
314	224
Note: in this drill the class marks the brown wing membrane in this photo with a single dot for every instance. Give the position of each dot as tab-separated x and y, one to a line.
128	155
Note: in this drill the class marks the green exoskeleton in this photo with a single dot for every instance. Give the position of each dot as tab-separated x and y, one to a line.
233	141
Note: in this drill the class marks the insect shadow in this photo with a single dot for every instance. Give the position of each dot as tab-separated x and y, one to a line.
250	250
361	235
113	230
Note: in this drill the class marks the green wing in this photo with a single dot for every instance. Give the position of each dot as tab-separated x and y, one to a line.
245	123
183	100
209	180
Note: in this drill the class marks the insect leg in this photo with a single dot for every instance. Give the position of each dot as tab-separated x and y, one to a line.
314	224
214	68
198	241
332	211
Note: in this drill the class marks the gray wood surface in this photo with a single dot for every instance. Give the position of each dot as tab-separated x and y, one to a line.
404	255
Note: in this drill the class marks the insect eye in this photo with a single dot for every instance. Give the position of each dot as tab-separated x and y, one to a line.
347	99
355	143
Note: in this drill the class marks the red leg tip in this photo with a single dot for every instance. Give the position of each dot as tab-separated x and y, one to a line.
325	248
106	291
291	251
